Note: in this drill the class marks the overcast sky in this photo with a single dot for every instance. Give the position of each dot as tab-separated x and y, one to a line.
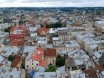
51	3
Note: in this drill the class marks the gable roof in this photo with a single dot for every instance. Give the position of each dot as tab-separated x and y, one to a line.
37	54
50	52
16	61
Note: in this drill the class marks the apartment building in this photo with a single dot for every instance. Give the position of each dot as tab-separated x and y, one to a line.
50	56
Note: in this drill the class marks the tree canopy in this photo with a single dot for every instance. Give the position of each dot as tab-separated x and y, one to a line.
51	68
58	24
60	61
7	29
11	57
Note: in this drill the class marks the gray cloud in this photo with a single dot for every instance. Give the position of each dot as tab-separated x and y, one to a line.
42	3
72	1
8	1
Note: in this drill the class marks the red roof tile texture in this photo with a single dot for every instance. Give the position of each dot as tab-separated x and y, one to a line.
20	35
37	55
50	52
17	36
90	74
23	28
16	61
15	43
43	29
43	63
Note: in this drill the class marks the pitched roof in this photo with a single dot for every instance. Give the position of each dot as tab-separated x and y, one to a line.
37	54
16	61
15	43
23	28
43	31
50	52
7	21
16	35
43	63
91	74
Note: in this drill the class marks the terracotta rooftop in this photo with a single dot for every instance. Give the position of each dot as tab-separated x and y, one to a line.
43	31
16	61
18	27
37	54
90	74
99	67
43	63
50	52
15	43
16	35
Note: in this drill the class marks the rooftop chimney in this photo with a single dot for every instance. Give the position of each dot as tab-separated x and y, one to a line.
11	76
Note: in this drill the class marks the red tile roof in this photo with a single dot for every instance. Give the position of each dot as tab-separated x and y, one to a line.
37	55
91	74
15	43
43	63
16	35
50	52
43	29
23	28
99	67
16	61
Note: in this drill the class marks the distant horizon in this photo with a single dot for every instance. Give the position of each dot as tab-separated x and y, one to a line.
51	3
49	7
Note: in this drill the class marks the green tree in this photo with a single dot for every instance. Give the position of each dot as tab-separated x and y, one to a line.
101	60
11	58
58	24
60	61
7	29
51	68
